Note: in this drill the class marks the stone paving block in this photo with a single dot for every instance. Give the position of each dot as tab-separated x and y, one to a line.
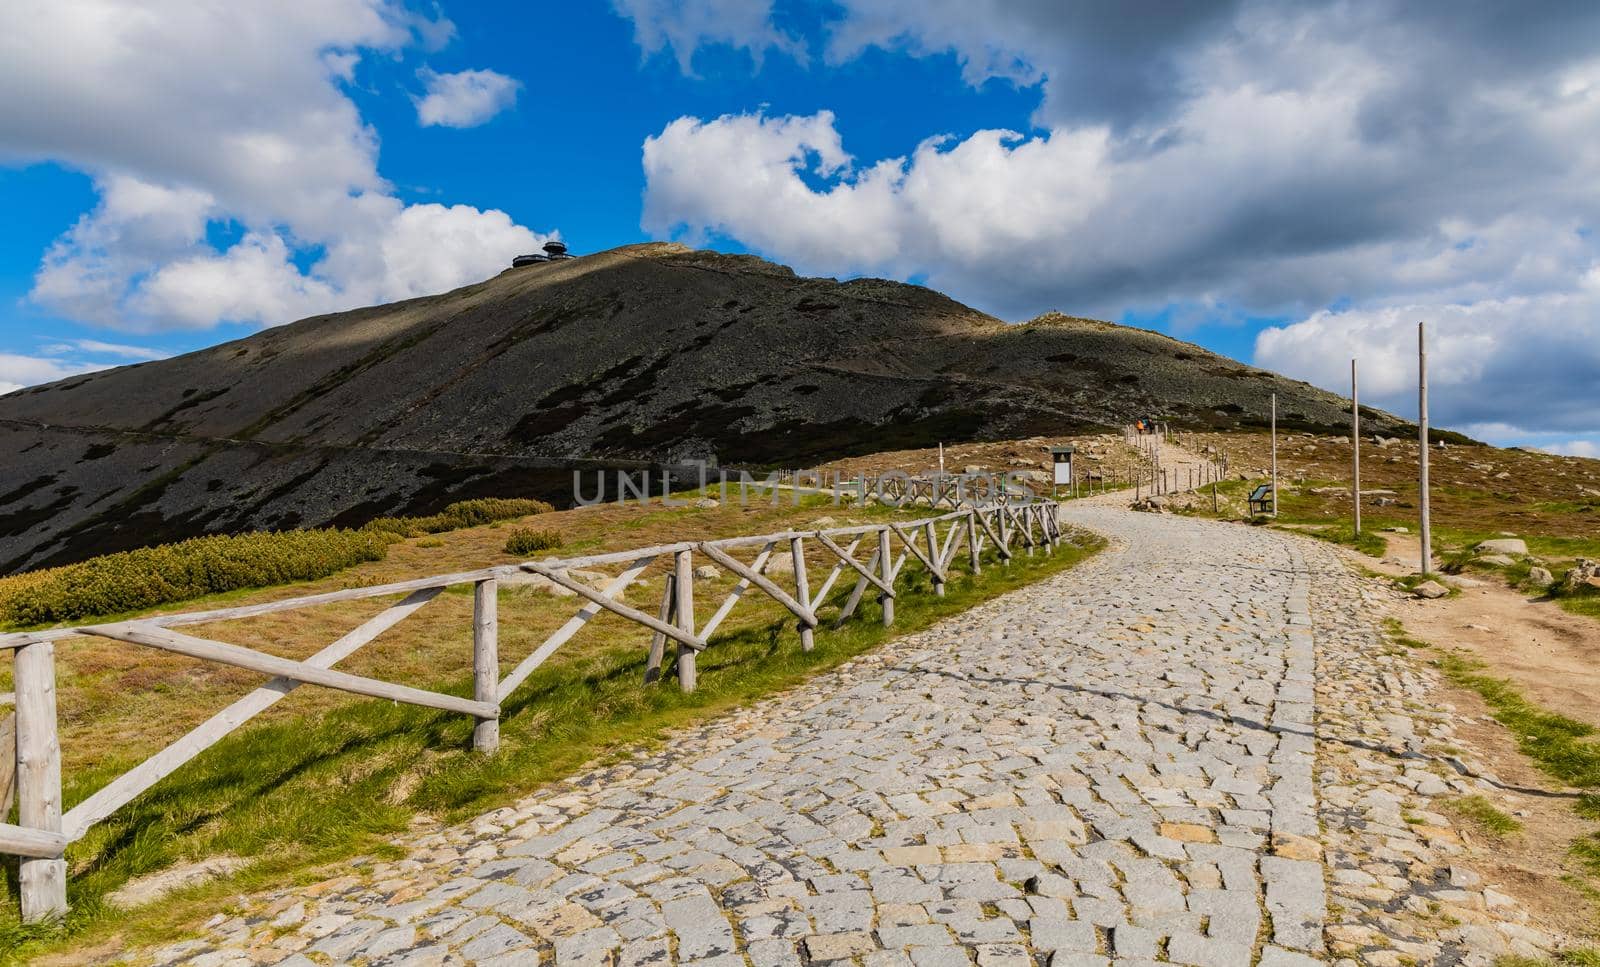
1128	746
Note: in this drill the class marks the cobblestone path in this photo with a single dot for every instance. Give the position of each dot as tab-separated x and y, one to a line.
1115	764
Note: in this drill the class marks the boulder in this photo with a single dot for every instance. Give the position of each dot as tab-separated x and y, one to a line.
972	468
708	503
1582	572
1495	560
1502	545
1541	576
1430	589
707	572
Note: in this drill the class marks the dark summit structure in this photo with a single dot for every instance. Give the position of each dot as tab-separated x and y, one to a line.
553	252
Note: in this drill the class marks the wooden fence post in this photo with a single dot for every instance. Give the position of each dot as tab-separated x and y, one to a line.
43	882
802	591
932	537
658	641
486	660
972	540
886	571
683	597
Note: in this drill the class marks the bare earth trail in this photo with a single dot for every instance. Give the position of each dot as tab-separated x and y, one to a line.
1190	749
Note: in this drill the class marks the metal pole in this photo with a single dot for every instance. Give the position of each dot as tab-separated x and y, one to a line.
1422	444
1274	454
1355	446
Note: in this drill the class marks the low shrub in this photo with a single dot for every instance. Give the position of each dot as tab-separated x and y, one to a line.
150	576
528	540
462	513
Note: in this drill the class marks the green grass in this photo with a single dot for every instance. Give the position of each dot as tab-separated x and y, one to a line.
1484	814
312	789
1562	747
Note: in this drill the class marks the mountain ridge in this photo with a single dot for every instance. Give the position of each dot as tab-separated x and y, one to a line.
653	353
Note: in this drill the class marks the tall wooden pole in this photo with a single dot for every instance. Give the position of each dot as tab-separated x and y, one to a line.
1274	454
1422	445
1355	446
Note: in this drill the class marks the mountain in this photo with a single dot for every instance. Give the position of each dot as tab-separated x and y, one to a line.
655	353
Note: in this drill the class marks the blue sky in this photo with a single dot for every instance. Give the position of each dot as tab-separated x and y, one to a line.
1263	181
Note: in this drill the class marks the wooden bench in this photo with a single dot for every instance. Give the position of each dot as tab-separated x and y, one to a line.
1263	500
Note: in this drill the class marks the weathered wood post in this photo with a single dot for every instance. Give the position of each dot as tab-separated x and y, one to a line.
1355	448
886	572
683	602
932	537
1000	518
1422	447
972	540
43	882
486	660
658	641
802	590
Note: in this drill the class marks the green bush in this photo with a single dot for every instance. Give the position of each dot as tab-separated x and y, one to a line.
462	513
527	540
150	576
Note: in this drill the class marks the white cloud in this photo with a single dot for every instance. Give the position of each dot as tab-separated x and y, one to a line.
464	99
1575	448
1502	368
1252	159
140	353
684	26
17	371
231	114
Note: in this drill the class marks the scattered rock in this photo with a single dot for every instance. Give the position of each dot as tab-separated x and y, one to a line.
1495	560
1583	571
707	572
1430	589
1503	545
1541	576
708	503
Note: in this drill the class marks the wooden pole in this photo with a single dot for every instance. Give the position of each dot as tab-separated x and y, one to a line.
43	882
658	641
486	661
1355	447
1422	443
683	601
972	541
932	537
802	590
1274	454
886	572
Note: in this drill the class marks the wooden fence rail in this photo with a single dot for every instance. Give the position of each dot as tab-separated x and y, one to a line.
44	831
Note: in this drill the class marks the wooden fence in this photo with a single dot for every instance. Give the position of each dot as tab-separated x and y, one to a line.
44	831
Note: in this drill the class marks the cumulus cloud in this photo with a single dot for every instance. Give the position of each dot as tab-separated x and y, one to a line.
1248	159
17	371
684	26
464	99
231	115
1575	448
1502	366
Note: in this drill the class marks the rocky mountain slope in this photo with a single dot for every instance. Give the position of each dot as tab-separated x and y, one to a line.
645	353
